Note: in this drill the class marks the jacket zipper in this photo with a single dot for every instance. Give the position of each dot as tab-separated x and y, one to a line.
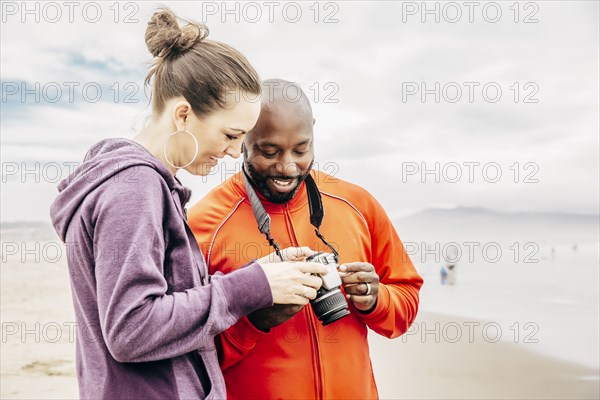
310	318
317	365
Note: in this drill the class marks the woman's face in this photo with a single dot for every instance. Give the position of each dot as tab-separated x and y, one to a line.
218	134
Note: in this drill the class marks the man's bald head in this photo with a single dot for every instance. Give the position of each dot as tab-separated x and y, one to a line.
286	100
284	107
278	151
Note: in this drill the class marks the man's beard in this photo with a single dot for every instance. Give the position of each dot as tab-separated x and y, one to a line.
260	183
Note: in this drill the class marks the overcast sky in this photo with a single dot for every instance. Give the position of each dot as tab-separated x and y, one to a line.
472	90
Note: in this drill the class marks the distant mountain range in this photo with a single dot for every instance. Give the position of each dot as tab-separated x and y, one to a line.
476	223
434	224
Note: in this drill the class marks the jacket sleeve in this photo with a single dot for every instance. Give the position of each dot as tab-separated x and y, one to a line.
138	319
398	300
236	342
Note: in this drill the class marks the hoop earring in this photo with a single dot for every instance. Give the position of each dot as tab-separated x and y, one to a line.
195	152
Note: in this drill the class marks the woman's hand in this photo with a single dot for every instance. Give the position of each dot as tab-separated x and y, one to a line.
288	254
292	282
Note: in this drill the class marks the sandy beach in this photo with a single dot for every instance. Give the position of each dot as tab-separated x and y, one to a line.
439	358
417	367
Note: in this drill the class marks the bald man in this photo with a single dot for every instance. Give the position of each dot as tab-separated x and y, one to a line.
290	351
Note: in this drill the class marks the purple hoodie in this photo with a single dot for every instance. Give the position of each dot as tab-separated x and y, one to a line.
146	309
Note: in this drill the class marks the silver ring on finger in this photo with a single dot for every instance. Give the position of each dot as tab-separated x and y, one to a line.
368	292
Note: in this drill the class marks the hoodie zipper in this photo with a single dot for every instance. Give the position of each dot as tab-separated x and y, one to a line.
309	318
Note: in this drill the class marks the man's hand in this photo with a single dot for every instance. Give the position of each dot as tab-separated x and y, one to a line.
361	284
269	317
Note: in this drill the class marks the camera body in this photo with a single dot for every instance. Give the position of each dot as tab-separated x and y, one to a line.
330	303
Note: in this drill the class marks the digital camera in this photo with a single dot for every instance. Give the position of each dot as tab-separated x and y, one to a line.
330	303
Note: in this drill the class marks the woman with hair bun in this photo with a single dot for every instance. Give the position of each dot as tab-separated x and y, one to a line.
147	310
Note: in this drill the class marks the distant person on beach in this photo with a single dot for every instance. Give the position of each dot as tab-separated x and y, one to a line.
147	310
451	274
443	274
286	352
448	273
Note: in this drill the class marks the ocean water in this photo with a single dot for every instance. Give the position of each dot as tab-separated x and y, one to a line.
551	306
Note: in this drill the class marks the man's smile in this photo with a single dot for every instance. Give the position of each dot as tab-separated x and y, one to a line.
282	184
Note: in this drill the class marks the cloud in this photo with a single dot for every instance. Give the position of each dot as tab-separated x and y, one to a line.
356	72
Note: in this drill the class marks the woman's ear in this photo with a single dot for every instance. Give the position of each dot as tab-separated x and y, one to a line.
180	114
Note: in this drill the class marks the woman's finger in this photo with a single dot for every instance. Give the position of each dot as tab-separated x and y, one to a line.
312	281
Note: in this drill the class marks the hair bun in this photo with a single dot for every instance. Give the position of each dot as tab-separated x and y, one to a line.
165	38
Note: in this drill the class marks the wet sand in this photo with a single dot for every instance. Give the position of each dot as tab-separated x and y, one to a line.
38	349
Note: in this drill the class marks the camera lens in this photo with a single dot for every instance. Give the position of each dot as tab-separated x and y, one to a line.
330	303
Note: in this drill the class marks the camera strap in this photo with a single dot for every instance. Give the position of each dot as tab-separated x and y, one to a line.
317	212
315	204
261	215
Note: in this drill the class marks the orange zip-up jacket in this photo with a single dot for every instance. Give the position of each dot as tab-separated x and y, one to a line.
301	359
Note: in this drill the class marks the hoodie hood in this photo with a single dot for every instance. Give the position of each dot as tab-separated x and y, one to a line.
103	161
